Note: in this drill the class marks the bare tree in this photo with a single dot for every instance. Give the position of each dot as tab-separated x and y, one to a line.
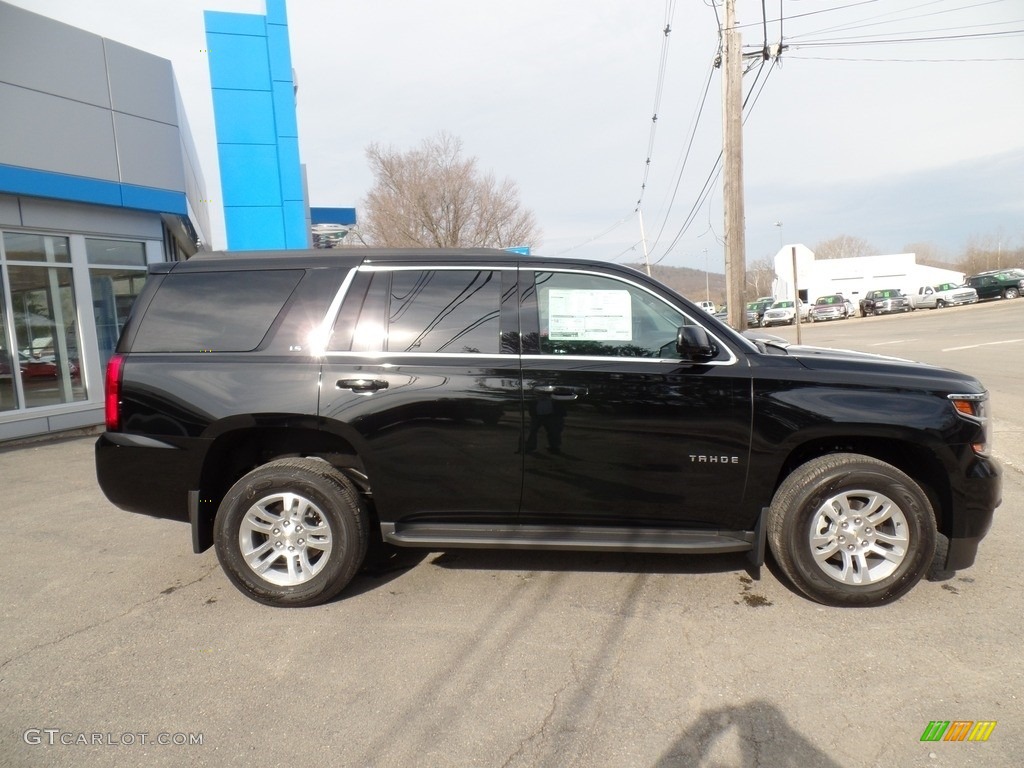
843	247
760	275
990	252
433	197
928	254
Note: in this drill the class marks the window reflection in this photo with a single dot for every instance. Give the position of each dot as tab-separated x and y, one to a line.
8	356
444	311
113	293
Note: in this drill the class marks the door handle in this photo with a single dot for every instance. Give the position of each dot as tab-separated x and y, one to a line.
362	385
561	392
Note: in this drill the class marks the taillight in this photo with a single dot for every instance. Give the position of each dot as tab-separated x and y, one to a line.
112	391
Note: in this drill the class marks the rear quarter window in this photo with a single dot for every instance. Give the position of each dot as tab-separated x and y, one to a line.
214	311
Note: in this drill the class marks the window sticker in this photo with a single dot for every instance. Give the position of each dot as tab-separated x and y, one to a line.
585	315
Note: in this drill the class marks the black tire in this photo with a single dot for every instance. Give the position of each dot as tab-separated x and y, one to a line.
320	536
812	498
940	304
1011	293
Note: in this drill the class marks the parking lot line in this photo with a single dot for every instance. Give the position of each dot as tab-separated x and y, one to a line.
983	344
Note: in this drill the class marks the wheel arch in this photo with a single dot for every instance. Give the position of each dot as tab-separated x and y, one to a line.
915	460
234	453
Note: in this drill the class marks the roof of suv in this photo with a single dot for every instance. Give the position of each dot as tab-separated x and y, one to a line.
216	261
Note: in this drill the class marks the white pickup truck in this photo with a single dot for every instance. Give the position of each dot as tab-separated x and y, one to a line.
944	295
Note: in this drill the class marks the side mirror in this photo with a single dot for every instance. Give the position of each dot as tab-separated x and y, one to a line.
693	344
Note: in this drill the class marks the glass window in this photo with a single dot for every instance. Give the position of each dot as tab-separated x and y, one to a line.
20	246
46	333
113	293
445	311
584	314
8	356
215	311
116	253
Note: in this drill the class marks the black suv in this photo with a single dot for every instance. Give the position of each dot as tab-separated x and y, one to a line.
1000	284
296	407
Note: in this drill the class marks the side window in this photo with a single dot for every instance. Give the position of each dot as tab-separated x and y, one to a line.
591	315
214	311
452	311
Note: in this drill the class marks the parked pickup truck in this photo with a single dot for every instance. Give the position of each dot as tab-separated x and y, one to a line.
883	302
943	295
298	409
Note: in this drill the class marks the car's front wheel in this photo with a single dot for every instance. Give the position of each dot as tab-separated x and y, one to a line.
292	532
1011	293
849	530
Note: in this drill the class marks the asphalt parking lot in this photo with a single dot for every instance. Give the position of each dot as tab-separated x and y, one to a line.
119	646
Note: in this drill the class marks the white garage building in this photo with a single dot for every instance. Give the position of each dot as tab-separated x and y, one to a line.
853	277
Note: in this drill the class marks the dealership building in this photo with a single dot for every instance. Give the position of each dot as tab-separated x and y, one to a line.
99	178
852	277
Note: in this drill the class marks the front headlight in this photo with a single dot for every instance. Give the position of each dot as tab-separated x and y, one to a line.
974	408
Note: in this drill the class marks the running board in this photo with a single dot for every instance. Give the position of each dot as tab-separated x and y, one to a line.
588	538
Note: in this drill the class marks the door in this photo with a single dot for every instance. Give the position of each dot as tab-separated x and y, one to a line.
418	380
619	430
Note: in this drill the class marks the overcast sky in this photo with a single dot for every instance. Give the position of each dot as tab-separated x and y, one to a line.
896	143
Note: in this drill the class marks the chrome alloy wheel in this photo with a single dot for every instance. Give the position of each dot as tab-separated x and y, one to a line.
285	539
859	537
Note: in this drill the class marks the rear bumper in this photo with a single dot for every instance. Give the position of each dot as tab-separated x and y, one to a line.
140	474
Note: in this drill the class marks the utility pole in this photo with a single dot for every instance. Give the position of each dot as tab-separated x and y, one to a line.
732	150
643	239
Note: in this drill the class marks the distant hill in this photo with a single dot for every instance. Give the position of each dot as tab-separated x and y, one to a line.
689	282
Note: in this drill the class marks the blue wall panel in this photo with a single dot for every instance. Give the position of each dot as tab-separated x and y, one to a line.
284	109
257	133
288	156
61	186
280	53
276	12
249	174
234	23
251	229
238	61
296	233
244	117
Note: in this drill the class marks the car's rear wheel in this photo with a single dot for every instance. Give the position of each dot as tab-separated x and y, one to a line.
292	532
848	529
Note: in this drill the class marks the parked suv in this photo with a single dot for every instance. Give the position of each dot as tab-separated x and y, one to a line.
831	307
1001	284
783	313
756	310
295	407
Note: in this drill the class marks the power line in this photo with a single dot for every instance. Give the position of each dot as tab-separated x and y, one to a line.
865	23
940	39
659	89
798	57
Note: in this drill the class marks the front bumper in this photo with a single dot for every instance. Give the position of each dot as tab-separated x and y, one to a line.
983	494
